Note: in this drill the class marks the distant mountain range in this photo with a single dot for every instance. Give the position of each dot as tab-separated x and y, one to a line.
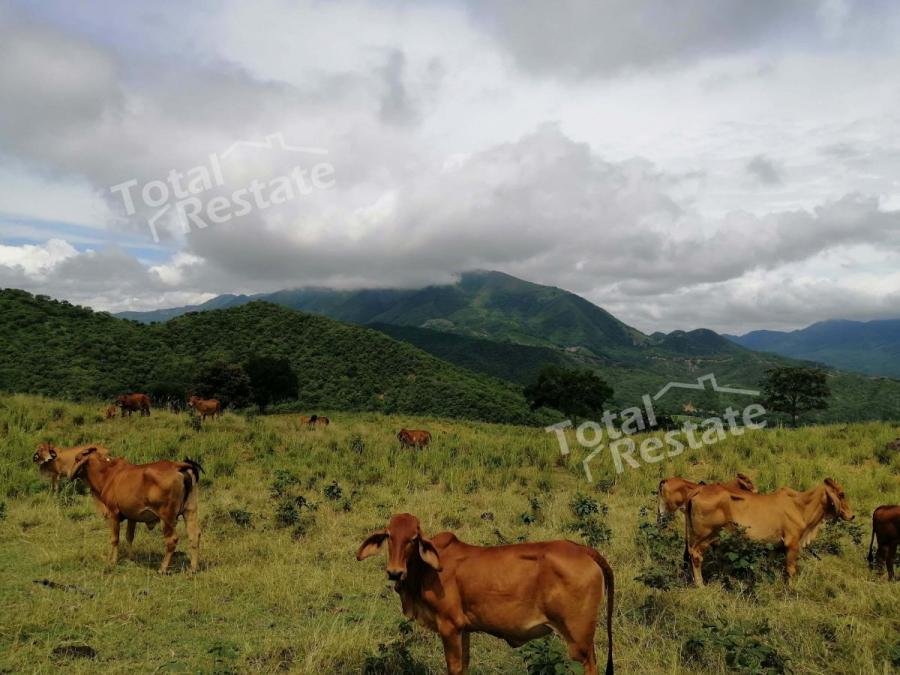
507	328
871	347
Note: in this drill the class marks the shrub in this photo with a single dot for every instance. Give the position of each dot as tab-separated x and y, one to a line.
284	480
357	444
583	506
739	562
2	510
547	656
745	648
664	548
333	491
830	540
587	522
241	518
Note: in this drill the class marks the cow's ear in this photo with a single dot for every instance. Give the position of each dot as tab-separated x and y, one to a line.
745	483
429	553
371	545
80	459
832	495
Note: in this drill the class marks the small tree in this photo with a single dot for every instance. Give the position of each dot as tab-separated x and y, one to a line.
573	392
271	380
795	390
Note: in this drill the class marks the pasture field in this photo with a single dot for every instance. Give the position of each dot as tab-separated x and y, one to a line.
285	508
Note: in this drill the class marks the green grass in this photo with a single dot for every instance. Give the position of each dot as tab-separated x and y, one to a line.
272	597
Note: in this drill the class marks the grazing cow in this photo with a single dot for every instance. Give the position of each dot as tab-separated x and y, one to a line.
205	407
111	411
886	527
321	421
785	517
673	493
413	438
131	402
54	463
145	493
517	592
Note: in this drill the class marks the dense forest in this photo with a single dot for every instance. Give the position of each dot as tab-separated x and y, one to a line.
57	349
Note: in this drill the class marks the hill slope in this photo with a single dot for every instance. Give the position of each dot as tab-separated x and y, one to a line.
54	348
489	305
871	347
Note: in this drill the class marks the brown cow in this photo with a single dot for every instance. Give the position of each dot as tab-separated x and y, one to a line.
205	407
885	526
111	410
322	421
131	402
146	493
516	593
785	517
54	463
673	493
413	438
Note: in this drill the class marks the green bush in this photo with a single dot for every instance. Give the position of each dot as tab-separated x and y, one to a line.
747	649
548	656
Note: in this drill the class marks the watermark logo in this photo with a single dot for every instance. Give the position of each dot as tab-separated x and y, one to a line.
618	429
199	196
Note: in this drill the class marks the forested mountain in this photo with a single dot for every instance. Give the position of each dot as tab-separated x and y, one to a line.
495	324
54	348
871	347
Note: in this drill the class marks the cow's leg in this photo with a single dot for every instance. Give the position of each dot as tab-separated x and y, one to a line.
790	558
129	535
454	649
696	551
889	555
580	642
114	523
192	521
54	485
170	535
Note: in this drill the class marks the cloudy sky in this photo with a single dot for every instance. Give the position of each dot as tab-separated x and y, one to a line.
731	164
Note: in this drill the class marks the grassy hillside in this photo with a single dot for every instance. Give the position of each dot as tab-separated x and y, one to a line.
871	347
53	348
282	592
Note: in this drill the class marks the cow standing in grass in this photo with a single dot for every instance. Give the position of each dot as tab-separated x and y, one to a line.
516	593
786	517
205	407
414	438
144	493
886	528
130	403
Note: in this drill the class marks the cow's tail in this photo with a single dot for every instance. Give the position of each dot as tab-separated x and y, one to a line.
871	556
688	523
610	582
190	472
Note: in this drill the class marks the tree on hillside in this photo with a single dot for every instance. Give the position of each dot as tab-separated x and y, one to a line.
795	390
575	393
271	380
225	381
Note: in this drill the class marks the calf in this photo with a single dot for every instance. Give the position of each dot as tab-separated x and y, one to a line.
516	593
785	517
145	493
205	407
54	463
414	438
886	527
673	493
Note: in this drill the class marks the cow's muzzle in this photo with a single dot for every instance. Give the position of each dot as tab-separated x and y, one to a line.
395	575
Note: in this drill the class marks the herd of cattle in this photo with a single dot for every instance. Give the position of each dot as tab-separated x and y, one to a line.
516	592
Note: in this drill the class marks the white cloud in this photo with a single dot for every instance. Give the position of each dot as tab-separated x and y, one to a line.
669	173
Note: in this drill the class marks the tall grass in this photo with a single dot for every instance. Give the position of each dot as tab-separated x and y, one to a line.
285	593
